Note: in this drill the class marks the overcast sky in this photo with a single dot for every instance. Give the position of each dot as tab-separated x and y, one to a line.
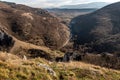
56	3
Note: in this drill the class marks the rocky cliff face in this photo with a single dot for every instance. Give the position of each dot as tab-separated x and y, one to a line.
100	29
6	42
32	25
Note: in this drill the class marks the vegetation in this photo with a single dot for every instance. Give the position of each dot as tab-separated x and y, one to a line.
14	68
30	37
99	31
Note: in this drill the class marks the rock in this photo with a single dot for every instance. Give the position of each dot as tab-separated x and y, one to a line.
50	70
24	57
67	57
72	56
6	41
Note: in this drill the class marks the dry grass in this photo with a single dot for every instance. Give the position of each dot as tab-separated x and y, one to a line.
24	45
83	65
14	68
84	71
4	56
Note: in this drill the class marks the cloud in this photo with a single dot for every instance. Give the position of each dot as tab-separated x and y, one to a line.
55	3
49	3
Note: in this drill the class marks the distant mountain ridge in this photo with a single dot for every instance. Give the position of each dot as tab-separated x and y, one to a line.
87	5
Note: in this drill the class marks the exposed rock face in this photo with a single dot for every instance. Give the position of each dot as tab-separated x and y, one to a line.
49	70
100	29
70	56
33	25
6	42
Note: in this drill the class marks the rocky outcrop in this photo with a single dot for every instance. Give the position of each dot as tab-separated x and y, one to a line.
49	70
71	56
6	41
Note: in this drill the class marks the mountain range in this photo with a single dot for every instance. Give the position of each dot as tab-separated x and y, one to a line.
87	5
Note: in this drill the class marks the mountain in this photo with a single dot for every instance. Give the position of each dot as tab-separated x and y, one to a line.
93	5
29	43
100	30
31	32
30	25
66	15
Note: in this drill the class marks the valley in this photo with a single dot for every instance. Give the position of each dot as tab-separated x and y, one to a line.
59	44
66	15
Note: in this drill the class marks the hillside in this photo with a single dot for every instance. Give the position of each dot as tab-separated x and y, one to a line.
100	30
14	68
30	43
32	25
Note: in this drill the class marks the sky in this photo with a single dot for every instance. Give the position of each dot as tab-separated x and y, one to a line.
55	3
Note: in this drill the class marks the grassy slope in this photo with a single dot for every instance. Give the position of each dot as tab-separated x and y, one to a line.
14	68
20	46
